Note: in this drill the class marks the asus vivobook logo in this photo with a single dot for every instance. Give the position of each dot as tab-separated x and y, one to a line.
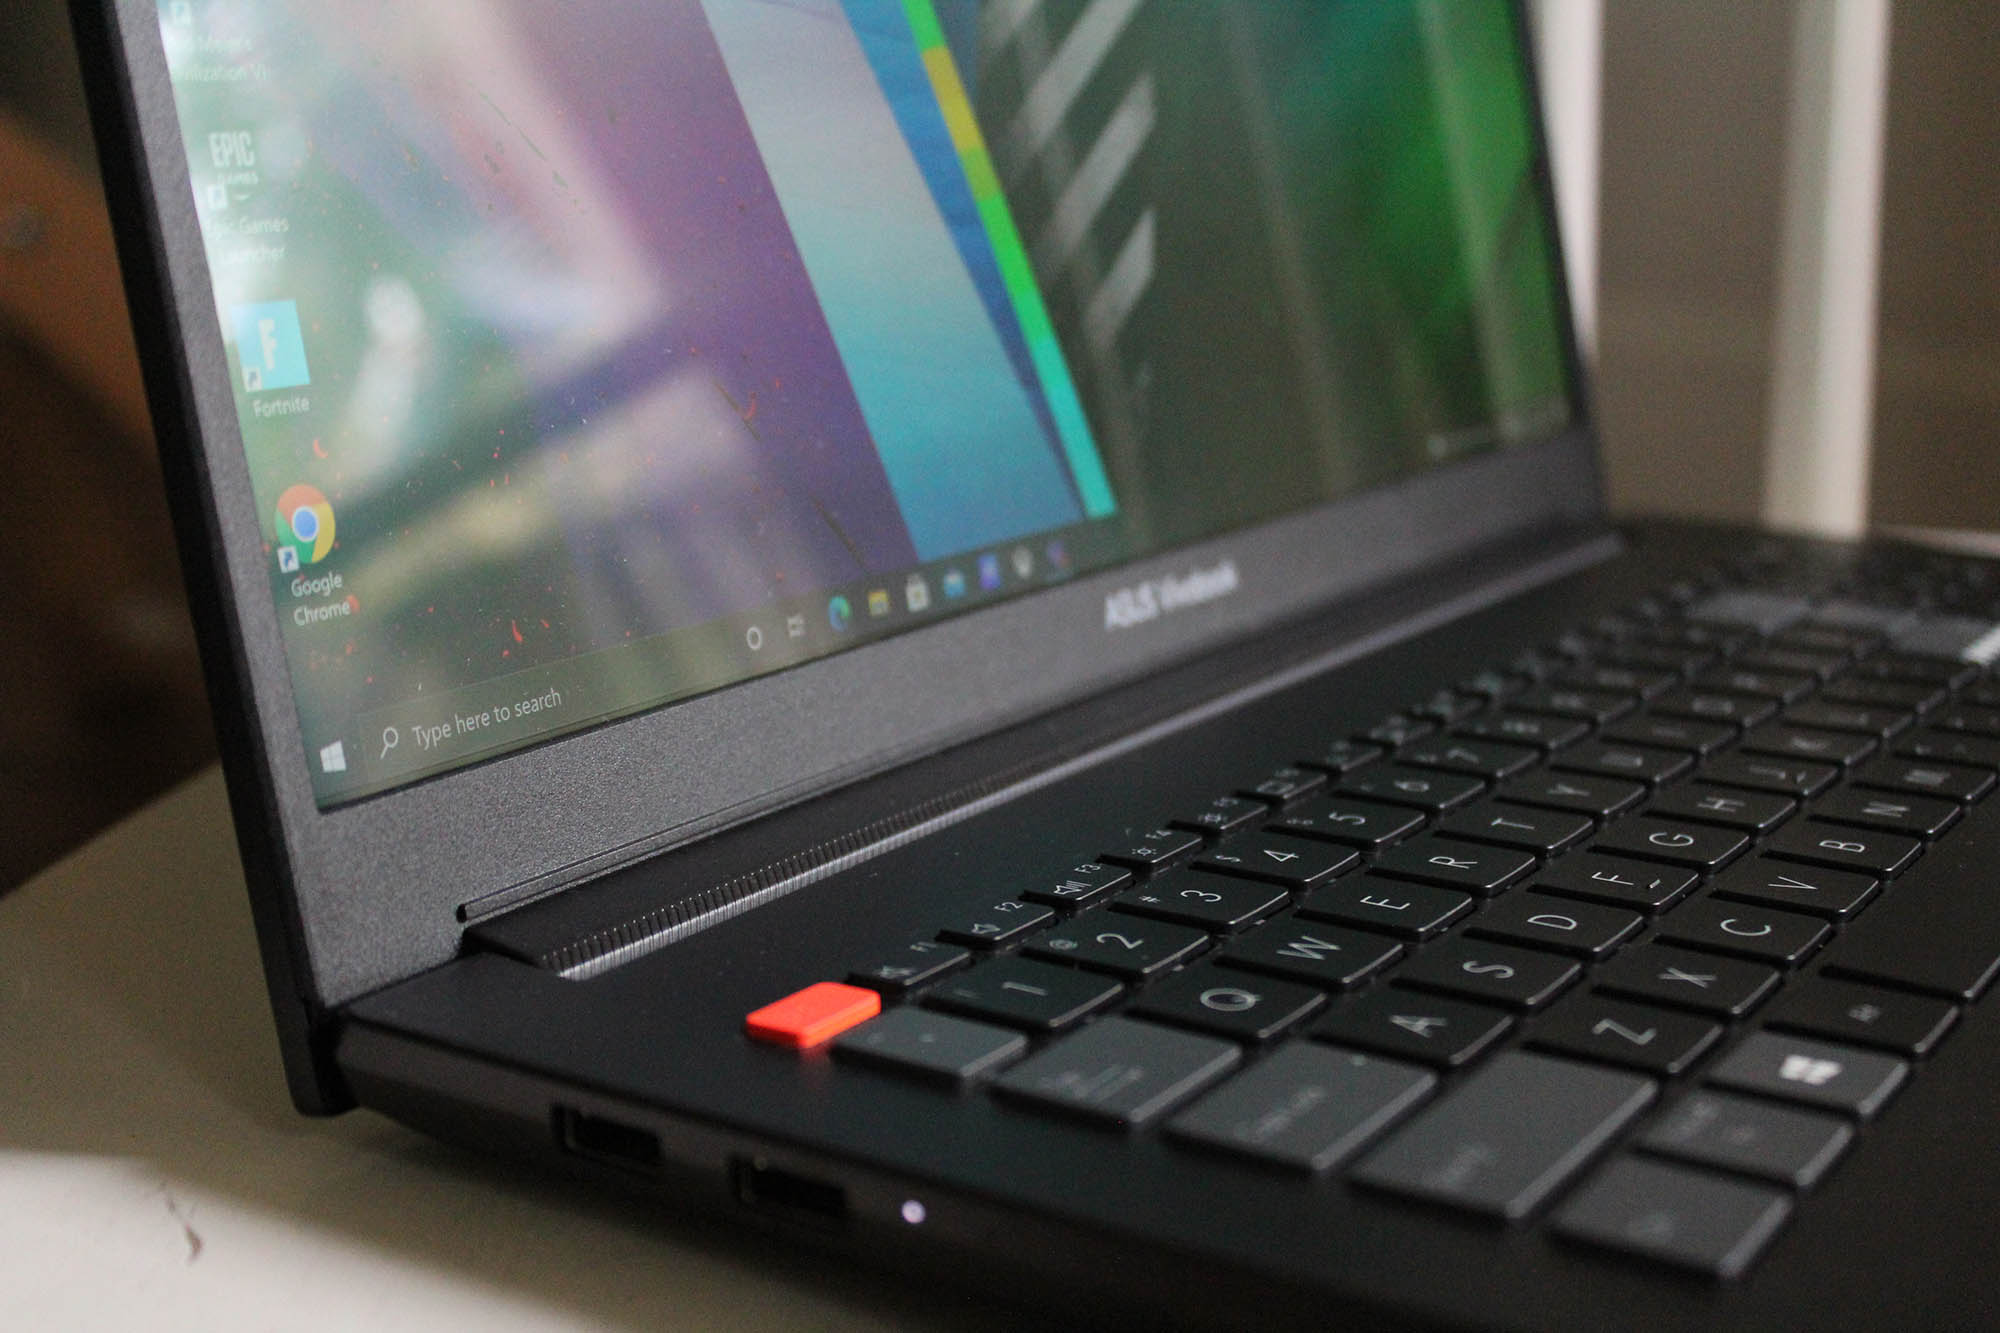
1141	602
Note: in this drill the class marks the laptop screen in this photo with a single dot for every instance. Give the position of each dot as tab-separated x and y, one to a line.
589	358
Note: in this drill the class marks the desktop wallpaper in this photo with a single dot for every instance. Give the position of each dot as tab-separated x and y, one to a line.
588	358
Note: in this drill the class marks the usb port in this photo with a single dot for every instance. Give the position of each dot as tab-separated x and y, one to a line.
602	1139
770	1189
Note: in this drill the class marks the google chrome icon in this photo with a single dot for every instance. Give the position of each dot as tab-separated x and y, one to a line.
305	523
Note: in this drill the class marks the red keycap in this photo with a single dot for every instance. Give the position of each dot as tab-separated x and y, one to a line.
818	1013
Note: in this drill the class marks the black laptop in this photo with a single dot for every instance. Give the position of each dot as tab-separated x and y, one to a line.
983	631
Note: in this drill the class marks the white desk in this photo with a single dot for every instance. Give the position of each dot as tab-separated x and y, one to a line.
154	1175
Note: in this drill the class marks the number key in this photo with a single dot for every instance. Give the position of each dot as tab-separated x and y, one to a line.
1124	947
1360	824
1196	898
1422	788
1291	862
1021	994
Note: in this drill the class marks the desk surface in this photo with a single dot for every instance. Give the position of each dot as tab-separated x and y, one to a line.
153	1173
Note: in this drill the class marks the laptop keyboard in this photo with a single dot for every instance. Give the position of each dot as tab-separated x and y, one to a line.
1612	935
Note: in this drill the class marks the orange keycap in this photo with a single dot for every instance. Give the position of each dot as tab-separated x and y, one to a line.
818	1013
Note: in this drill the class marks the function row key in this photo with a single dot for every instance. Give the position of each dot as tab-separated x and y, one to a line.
914	965
1286	785
997	924
1671	733
1083	885
1222	816
1342	757
1156	849
1543	731
1716	707
1593	706
1646	681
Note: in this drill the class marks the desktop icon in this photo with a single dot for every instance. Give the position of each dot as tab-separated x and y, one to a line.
878	602
333	758
954	583
839	613
989	571
917	593
288	559
270	345
305	526
1024	562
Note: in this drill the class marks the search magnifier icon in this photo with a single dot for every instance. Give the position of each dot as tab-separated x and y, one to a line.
391	738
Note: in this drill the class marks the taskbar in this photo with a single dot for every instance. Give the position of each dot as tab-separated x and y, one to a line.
387	747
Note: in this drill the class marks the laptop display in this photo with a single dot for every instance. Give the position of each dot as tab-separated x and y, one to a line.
588	360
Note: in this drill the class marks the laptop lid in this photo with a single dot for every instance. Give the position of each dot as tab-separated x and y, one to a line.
593	427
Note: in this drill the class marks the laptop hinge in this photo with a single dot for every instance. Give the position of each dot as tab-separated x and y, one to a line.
599	924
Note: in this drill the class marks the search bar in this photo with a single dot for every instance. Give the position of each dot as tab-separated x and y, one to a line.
427	734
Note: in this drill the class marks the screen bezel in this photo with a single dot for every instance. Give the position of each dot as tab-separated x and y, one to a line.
376	890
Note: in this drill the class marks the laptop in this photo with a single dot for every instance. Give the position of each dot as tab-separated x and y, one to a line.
983	632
